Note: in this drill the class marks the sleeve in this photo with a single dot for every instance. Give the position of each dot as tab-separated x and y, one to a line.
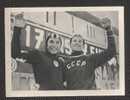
32	56
99	59
15	43
61	59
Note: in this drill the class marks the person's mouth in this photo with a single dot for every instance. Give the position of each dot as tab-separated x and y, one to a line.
76	45
53	48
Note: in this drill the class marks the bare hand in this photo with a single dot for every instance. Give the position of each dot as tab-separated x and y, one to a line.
19	21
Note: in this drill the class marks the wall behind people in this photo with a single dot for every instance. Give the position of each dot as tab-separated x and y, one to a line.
68	25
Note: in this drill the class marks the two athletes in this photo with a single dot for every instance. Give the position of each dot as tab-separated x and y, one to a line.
77	70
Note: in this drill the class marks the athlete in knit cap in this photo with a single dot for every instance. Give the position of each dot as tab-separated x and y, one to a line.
46	66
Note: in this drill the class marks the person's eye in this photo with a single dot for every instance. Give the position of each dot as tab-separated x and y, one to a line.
57	42
74	40
80	41
51	41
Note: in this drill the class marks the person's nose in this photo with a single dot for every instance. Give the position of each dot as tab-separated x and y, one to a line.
78	42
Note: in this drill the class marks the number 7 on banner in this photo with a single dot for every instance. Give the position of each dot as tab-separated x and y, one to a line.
27	36
38	36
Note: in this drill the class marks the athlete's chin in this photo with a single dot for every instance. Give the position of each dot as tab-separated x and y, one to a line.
53	52
77	49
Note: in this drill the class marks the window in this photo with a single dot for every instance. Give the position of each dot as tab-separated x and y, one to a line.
72	24
94	35
87	30
91	32
54	18
47	14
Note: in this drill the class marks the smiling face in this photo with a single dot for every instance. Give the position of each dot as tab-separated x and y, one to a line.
77	43
54	45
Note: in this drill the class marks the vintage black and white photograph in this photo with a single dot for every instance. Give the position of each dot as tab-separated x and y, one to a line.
64	51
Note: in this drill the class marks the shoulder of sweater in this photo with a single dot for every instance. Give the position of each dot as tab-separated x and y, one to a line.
72	56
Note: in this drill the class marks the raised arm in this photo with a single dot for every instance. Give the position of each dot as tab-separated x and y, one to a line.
15	43
32	56
101	58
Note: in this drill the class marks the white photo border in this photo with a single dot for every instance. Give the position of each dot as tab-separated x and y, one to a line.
32	93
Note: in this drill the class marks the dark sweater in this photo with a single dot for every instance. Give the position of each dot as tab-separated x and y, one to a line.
47	68
79	69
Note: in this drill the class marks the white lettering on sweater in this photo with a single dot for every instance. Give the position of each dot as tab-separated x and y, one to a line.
76	63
